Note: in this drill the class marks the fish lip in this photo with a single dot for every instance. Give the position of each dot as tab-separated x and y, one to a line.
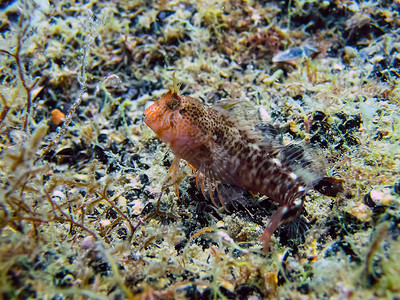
149	119
149	122
155	124
148	110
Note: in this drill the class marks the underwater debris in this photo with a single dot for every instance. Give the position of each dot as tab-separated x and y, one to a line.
382	197
57	116
293	55
369	274
59	238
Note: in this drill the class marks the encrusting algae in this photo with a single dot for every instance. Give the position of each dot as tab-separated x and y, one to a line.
84	210
228	151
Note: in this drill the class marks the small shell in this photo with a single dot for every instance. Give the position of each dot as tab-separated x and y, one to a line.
382	196
292	55
57	116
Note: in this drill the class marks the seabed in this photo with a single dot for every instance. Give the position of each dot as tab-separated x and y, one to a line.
87	210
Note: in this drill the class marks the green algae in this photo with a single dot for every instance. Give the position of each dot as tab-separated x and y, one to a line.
85	208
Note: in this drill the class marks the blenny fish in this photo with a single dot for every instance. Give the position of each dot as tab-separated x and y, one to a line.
229	151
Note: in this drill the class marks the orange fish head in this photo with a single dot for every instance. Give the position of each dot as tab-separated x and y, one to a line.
165	118
158	114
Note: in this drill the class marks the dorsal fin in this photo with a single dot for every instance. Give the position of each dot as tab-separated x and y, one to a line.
242	115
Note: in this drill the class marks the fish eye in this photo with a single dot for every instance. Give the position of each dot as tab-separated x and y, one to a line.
173	103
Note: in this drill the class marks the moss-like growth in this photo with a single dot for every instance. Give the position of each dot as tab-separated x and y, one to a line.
84	210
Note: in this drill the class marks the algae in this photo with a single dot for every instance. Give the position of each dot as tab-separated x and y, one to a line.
86	210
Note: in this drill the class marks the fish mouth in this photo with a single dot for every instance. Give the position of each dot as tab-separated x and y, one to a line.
150	122
149	117
156	122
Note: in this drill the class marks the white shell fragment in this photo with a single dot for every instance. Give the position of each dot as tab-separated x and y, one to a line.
292	55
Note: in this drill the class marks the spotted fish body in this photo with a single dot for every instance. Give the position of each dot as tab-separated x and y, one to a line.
226	150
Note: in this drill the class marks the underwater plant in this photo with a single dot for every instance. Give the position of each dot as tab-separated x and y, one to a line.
84	208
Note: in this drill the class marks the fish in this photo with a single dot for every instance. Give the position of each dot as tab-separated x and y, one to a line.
227	150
